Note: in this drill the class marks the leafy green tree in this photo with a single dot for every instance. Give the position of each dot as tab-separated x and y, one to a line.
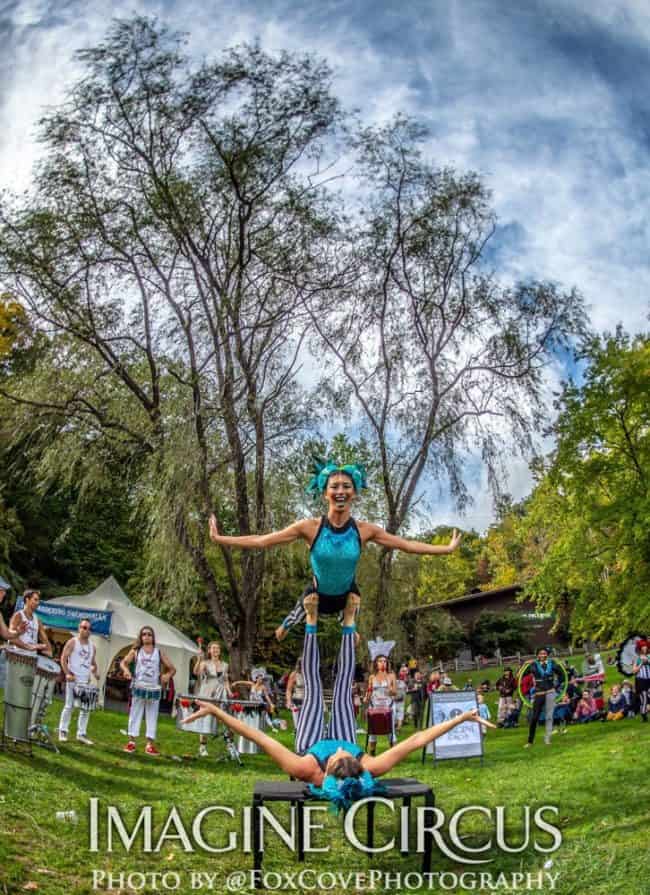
13	326
438	355
445	577
434	633
587	524
506	631
167	246
504	547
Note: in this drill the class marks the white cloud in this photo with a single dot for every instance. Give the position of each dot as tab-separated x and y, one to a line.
556	135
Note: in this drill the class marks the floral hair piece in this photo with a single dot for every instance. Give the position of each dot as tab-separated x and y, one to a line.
324	469
342	793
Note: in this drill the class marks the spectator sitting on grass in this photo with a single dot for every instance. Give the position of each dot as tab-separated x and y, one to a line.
586	709
485	687
468	684
628	693
597	693
512	718
616	704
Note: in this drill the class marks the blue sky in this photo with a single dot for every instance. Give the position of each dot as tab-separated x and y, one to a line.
547	100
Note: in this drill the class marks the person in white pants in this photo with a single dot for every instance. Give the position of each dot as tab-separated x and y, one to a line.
149	663
77	663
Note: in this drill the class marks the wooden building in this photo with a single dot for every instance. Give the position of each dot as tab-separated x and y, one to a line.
466	610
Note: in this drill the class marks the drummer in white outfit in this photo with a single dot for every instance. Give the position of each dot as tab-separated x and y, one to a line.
33	636
152	668
78	663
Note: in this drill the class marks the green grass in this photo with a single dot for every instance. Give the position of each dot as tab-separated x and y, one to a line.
596	775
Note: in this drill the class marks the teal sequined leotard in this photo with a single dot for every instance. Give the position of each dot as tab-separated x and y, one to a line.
334	556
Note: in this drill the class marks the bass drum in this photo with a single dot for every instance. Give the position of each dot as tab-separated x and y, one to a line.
21	671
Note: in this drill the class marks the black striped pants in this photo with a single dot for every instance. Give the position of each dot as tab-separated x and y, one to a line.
342	725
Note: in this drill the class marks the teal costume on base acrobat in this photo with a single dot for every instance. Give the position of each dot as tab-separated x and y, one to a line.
324	749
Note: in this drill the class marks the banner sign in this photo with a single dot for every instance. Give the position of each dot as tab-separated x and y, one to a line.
463	741
67	617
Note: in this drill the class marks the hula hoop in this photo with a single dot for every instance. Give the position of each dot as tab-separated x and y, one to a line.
521	674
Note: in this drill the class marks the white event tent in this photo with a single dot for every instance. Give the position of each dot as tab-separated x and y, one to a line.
126	623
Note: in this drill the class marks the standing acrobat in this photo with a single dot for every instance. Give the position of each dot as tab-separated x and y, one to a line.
335	541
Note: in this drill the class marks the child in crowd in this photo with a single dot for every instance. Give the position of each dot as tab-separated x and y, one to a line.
616	705
628	693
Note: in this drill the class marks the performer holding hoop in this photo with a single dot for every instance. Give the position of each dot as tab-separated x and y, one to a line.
336	769
546	673
78	663
146	688
335	541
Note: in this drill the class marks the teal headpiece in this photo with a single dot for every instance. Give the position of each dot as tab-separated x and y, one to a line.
324	469
342	793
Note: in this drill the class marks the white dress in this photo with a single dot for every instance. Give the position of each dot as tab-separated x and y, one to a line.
212	686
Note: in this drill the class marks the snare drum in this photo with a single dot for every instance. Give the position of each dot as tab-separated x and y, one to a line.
146	691
380	722
21	670
184	707
85	696
47	671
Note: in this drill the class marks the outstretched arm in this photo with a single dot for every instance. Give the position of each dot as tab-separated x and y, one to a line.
377	535
383	763
258	542
295	765
12	633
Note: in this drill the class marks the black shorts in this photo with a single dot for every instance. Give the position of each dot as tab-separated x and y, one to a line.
330	604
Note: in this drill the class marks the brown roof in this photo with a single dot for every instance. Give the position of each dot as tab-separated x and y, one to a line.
468	598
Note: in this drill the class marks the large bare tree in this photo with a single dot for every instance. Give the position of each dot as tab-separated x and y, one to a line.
160	249
442	360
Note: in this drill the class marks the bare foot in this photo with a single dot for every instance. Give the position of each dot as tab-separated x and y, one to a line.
351	609
281	633
311	608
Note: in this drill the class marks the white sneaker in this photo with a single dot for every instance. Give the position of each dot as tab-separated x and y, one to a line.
547	741
203	751
85	740
63	736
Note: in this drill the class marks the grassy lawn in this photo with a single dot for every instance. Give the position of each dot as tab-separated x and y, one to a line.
596	775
